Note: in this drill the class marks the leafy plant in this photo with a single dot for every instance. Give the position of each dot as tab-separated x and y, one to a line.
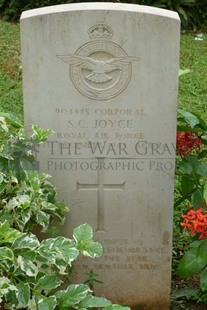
192	185
190	11
192	165
32	271
13	8
27	199
36	274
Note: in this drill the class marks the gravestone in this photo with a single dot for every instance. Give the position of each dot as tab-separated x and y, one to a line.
104	77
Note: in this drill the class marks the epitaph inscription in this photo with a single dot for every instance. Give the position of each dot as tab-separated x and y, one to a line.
100	69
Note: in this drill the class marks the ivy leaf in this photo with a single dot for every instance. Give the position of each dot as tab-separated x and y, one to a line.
5	287
6	253
48	282
43	219
40	134
25	216
26	241
8	234
66	248
34	180
46	249
46	303
116	307
83	234
5	216
94	249
94	302
32	303
11	298
30	255
21	201
27	266
2	186
61	251
23	294
11	119
1	177
6	258
72	296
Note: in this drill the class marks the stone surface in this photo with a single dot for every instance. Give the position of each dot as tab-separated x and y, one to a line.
104	77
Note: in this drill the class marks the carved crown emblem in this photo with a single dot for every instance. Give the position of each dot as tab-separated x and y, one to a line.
100	31
99	69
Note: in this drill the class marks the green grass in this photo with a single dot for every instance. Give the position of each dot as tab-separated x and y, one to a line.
10	70
193	86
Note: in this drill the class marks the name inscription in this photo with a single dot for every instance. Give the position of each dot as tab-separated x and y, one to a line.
92	123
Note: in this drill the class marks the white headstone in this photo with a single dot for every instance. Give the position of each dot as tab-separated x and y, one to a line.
104	77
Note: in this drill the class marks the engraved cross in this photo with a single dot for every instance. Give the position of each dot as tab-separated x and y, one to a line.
100	187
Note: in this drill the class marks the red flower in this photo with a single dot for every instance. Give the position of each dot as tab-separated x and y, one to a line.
195	221
187	141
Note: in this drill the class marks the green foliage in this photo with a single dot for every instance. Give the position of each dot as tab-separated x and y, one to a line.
194	260
191	188
32	271
10	69
13	8
192	169
27	198
35	275
191	11
193	86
